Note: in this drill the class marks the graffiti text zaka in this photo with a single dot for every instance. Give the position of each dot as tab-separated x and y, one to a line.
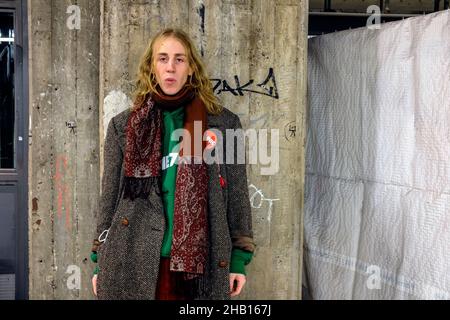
267	87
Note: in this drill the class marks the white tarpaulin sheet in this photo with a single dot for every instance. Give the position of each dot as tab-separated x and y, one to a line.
377	202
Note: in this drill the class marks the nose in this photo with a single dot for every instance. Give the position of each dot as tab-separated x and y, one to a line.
171	65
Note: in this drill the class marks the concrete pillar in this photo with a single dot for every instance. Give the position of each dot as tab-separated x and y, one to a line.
241	41
64	146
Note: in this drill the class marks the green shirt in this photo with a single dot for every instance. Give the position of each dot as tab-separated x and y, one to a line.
172	121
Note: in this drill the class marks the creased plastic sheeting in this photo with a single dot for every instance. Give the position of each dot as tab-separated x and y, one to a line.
377	189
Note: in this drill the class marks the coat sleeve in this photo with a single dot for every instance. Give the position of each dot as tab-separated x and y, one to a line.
113	158
239	211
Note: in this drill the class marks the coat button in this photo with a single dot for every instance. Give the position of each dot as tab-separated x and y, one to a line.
222	264
125	222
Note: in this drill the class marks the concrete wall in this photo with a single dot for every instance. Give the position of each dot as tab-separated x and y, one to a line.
64	174
241	40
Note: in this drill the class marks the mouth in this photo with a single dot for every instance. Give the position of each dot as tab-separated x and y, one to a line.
170	81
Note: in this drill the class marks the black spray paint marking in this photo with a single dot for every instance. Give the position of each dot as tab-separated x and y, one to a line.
201	13
289	131
268	86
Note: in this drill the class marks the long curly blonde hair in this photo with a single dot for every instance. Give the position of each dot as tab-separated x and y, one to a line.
146	79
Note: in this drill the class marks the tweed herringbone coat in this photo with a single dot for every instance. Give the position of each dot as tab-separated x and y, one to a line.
129	258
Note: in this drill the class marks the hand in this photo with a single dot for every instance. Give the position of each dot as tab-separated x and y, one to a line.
94	284
237	282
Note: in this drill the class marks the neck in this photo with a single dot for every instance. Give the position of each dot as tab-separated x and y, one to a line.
172	102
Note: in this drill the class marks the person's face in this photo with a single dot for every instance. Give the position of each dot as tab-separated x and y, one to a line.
171	65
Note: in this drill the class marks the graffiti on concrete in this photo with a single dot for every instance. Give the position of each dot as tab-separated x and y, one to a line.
256	200
267	87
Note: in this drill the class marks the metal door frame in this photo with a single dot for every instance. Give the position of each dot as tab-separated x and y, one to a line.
19	175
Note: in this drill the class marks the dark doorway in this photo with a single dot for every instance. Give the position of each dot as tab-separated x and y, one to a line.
7	151
13	151
327	16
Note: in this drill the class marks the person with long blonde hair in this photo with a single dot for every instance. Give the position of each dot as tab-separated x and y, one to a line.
172	225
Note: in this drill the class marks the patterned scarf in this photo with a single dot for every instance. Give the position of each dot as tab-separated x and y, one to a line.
143	161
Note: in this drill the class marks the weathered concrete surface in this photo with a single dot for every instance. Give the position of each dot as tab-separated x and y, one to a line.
263	41
64	166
